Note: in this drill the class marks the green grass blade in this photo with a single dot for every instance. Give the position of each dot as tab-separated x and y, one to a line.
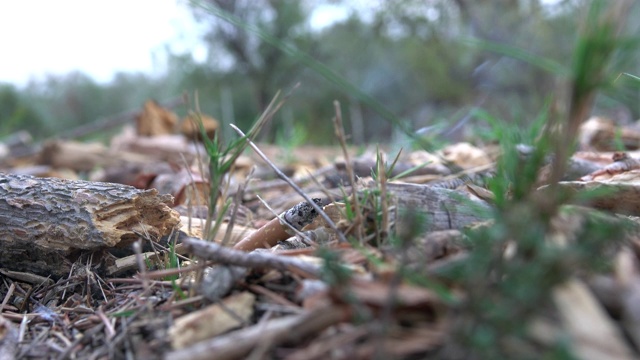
543	63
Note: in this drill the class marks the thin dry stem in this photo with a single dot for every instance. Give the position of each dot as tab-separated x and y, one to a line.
228	256
137	248
293	185
239	343
5	301
192	188
268	113
322	188
237	199
286	223
384	204
111	332
339	131
583	95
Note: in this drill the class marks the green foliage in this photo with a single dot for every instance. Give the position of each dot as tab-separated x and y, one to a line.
307	60
635	79
59	103
16	114
289	138
406	65
333	272
594	50
222	157
172	262
180	295
437	58
408	69
544	63
500	287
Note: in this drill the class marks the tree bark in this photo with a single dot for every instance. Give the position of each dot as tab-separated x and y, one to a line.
444	209
46	223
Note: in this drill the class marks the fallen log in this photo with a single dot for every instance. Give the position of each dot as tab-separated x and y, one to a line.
80	156
445	209
46	223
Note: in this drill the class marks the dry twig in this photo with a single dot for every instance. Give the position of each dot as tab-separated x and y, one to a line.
239	343
295	187
228	256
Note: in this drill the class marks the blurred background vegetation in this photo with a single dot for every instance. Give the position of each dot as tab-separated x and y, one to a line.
430	63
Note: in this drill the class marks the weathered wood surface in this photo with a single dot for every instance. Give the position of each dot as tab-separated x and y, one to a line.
45	223
86	156
445	209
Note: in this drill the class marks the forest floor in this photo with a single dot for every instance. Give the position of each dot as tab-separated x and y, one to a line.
410	257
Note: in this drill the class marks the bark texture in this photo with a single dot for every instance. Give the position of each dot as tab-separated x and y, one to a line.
446	209
45	223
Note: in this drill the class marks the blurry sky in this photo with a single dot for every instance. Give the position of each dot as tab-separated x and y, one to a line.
95	37
101	38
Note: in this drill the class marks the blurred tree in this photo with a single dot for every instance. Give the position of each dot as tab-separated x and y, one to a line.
545	31
68	100
267	68
411	56
75	99
16	113
226	95
621	100
427	62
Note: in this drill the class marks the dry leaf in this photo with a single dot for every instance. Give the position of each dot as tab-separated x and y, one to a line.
593	333
155	120
212	321
465	155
